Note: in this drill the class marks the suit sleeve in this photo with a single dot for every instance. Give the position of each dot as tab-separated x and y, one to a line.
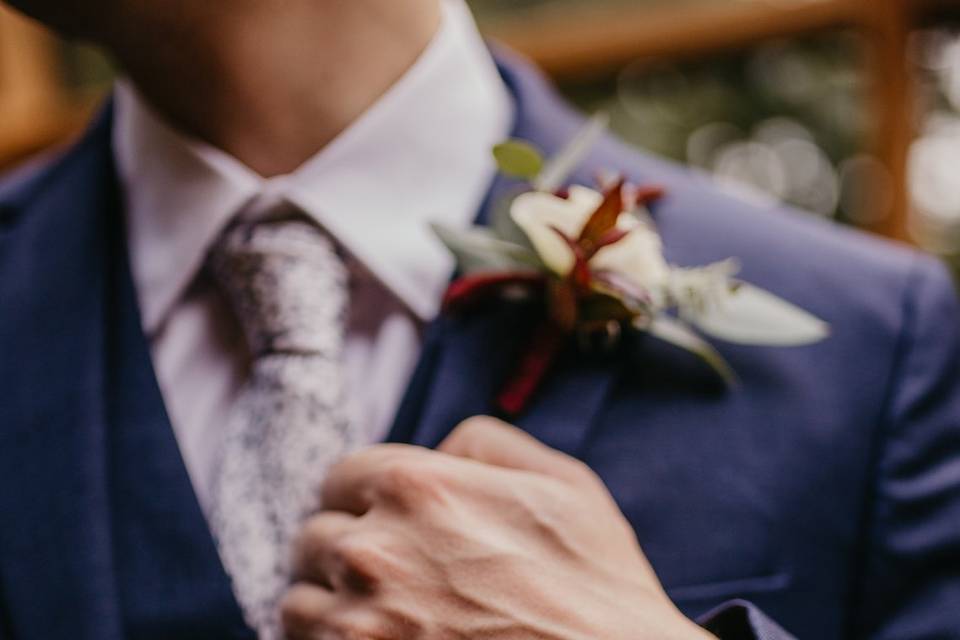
908	580
908	564
740	620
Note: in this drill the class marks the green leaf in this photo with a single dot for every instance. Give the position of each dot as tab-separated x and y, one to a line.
478	249
752	316
680	335
518	159
558	170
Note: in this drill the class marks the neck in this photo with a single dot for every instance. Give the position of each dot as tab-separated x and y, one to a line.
273	86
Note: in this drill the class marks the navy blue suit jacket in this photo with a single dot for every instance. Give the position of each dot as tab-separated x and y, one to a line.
825	489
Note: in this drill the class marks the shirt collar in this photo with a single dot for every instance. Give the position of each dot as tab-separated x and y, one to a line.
421	154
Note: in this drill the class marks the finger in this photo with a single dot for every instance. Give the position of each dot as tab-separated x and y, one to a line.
314	552
305	610
497	443
354	485
308	612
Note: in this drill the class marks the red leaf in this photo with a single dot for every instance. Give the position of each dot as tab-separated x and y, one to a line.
605	217
471	290
532	369
650	193
610	237
564	303
581	268
634	196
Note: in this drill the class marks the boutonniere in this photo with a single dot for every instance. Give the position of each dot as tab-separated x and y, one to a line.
593	255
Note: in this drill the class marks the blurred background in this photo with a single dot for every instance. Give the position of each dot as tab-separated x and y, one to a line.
849	109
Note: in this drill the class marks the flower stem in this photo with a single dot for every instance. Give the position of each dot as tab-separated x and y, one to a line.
533	368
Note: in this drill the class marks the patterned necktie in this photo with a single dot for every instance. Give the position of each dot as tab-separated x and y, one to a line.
288	288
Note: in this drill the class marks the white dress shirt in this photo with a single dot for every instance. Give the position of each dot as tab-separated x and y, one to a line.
420	154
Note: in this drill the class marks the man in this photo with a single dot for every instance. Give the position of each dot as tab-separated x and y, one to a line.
216	303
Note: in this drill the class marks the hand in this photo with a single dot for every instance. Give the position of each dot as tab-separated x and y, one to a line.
493	536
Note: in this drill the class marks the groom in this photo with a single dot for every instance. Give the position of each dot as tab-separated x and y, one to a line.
219	301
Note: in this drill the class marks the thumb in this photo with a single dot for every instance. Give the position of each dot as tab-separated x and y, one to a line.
494	442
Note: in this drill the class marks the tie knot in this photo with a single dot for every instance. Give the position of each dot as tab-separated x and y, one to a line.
286	284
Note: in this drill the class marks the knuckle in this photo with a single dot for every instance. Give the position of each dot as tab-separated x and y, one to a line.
350	462
410	483
581	471
378	453
316	528
297	611
408	621
359	554
355	623
309	546
472	427
363	559
471	432
371	457
356	630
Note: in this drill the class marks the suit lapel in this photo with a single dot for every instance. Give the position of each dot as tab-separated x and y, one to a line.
107	528
56	556
160	531
109	541
466	360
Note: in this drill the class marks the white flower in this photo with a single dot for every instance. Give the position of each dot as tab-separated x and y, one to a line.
638	257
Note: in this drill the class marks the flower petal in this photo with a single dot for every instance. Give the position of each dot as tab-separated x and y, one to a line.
638	256
541	214
678	334
750	315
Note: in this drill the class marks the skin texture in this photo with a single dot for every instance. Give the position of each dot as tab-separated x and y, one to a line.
494	536
269	81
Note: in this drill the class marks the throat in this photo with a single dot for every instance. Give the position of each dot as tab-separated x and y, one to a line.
273	90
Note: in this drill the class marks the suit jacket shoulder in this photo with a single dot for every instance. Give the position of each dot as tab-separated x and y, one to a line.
49	210
821	489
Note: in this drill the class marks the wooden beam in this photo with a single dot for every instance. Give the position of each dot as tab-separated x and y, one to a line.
582	43
568	45
923	9
571	45
21	139
34	111
29	71
887	24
